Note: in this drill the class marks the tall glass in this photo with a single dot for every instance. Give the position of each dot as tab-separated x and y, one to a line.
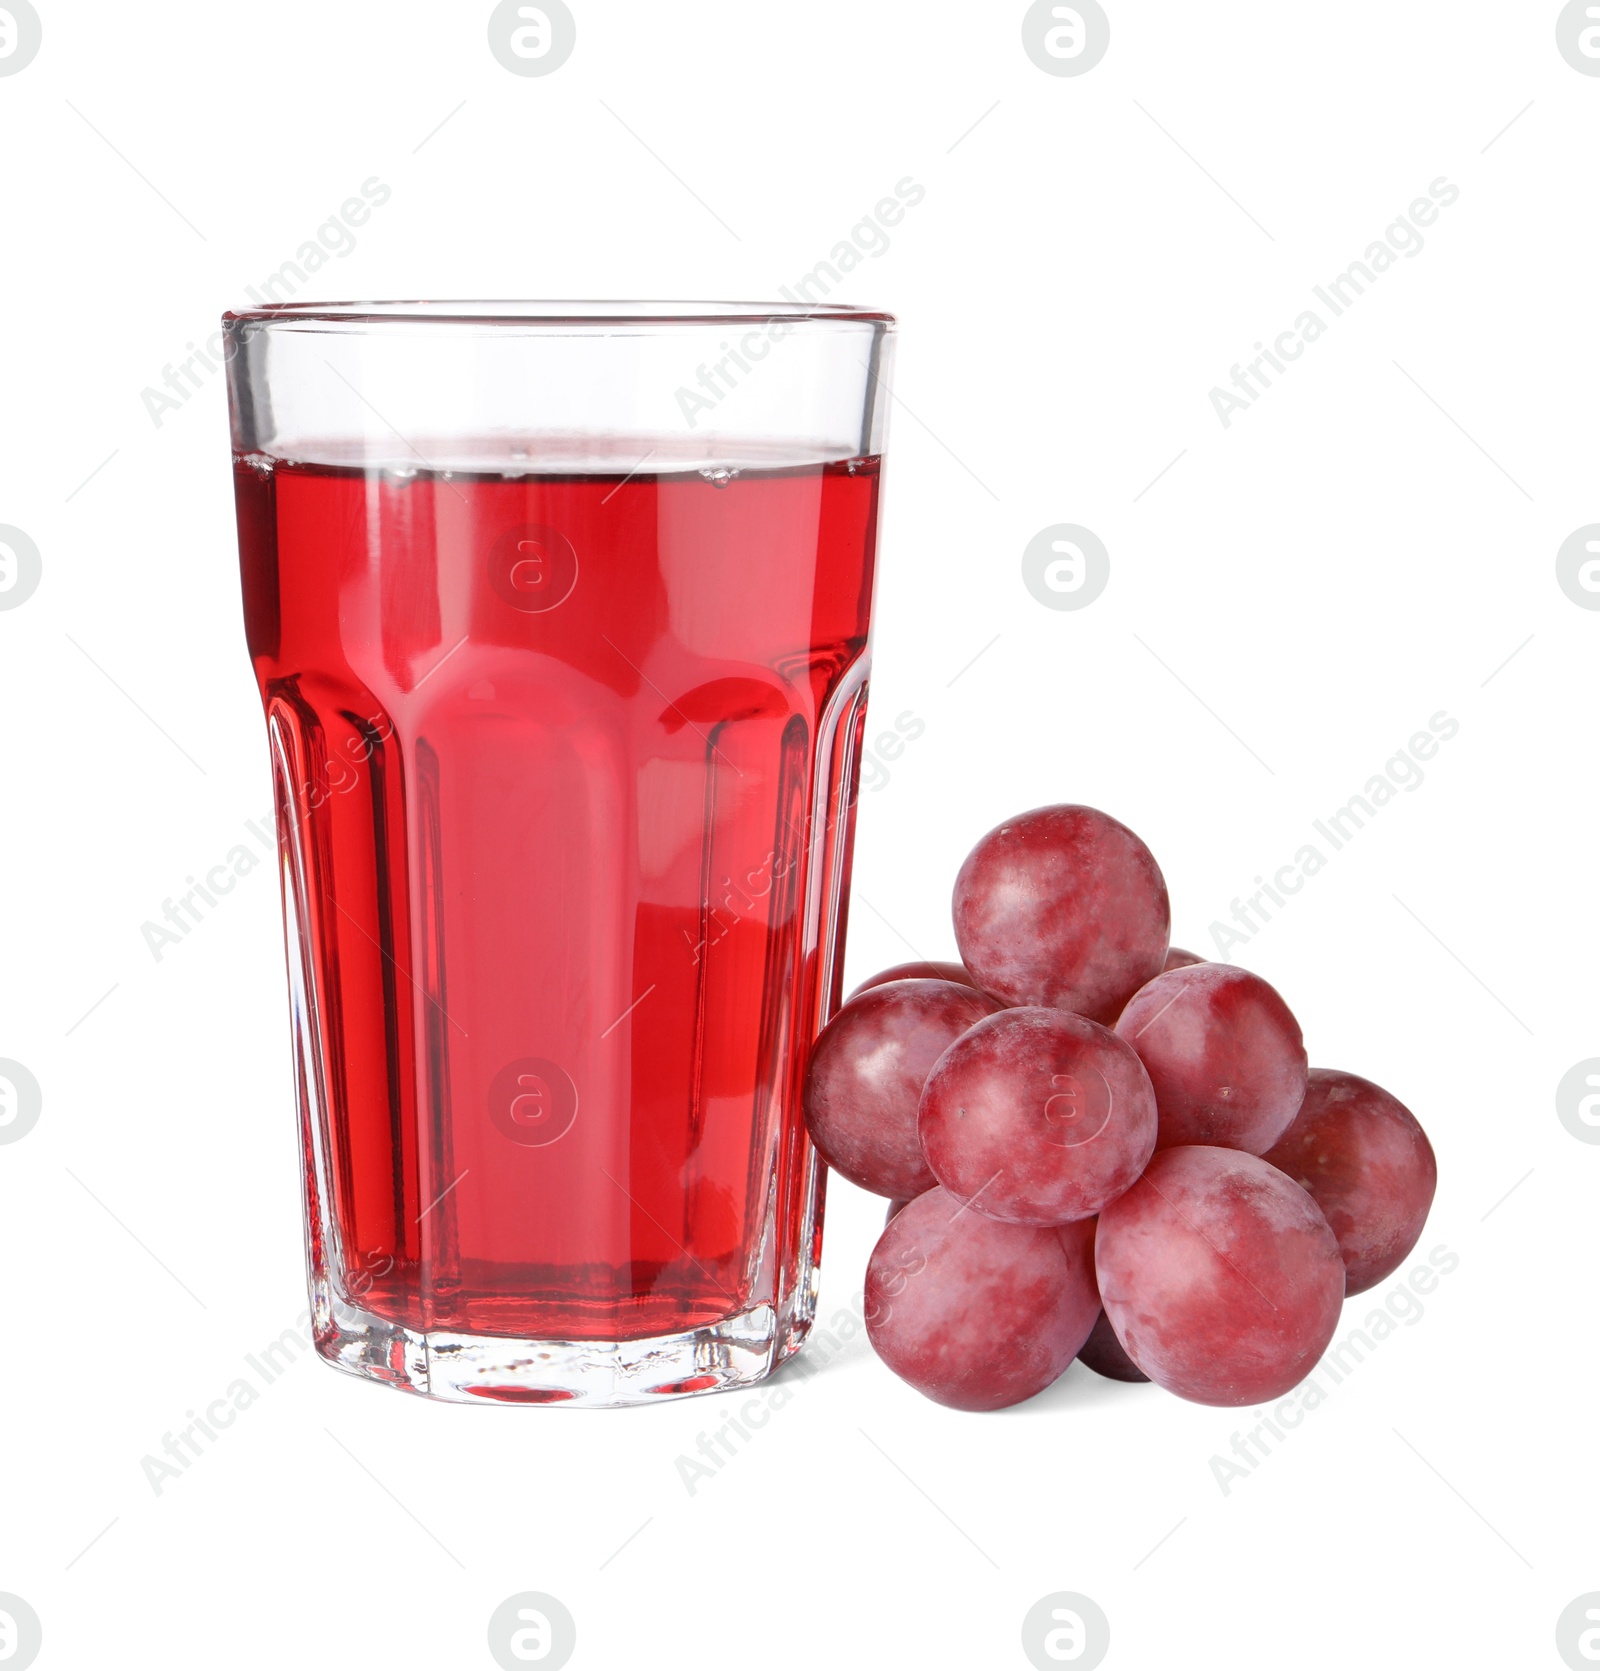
559	613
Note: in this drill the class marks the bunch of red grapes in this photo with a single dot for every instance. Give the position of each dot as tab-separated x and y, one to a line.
1100	1146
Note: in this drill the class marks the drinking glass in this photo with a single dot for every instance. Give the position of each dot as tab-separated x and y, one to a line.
559	614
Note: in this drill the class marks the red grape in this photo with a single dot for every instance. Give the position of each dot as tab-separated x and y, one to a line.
1369	1167
1063	907
1036	1116
1104	1354
1224	1054
1178	958
974	1313
894	1207
1220	1276
956	972
866	1076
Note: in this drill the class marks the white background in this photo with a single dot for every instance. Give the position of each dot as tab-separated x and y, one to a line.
1287	604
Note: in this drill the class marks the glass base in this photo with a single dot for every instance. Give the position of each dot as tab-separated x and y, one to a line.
477	1369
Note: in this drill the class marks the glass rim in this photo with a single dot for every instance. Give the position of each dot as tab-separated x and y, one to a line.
558	312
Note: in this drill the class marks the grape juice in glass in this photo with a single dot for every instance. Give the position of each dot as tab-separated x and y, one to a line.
559	614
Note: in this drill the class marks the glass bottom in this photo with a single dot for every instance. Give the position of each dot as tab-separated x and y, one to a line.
593	1374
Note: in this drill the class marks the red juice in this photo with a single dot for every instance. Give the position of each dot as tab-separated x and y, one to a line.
546	749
